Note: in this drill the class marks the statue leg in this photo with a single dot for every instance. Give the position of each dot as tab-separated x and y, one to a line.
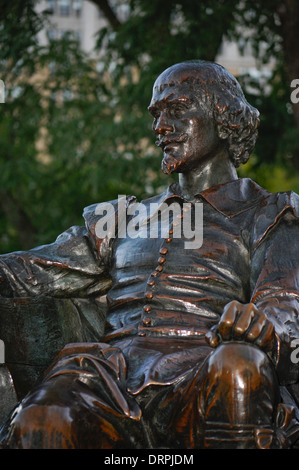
238	398
63	414
81	404
231	400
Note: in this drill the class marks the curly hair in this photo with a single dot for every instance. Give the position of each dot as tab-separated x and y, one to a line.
219	92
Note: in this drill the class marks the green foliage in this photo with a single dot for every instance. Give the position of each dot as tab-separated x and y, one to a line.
273	164
155	37
72	135
43	190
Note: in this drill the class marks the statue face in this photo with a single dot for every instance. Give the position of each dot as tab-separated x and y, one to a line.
186	134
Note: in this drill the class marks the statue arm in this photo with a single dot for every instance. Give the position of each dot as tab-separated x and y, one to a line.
69	267
271	319
275	278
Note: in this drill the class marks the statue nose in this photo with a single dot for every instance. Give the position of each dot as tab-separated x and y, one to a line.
162	125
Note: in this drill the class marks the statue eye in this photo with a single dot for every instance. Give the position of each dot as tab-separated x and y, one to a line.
178	110
155	113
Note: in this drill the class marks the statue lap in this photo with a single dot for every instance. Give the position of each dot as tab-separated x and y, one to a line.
229	397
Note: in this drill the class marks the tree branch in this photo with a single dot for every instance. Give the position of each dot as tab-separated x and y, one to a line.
108	13
18	219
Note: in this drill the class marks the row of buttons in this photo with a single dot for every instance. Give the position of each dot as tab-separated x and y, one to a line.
151	282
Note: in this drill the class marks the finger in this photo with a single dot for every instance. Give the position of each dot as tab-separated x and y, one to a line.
266	339
244	321
256	329
212	337
227	320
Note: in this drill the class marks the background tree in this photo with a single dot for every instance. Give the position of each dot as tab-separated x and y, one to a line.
73	133
58	146
154	37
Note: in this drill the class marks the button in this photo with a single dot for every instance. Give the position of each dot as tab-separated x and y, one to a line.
147	308
168	240
142	333
161	260
146	321
159	268
149	295
155	274
151	283
170	231
163	251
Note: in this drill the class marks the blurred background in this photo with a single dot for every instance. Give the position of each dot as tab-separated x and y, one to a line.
78	74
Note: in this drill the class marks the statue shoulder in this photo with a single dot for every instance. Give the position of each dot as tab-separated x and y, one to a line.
275	207
103	220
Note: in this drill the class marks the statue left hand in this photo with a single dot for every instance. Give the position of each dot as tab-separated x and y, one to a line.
243	322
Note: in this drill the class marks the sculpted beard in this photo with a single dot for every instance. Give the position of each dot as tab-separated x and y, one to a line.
169	164
170	161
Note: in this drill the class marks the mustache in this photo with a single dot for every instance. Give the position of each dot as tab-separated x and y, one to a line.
162	141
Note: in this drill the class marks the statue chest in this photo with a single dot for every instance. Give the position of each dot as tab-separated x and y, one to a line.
158	277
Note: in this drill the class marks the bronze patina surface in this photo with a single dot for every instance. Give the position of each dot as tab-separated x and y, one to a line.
196	351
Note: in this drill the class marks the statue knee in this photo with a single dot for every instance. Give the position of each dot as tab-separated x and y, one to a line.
240	384
38	426
241	362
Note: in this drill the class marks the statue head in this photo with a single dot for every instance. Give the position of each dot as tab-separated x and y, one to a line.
210	92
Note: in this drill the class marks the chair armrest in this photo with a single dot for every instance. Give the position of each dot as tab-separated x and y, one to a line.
8	395
35	329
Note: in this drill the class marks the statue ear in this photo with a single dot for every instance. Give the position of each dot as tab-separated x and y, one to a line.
223	132
220	116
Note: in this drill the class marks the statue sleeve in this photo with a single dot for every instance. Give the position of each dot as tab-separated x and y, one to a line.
69	267
275	284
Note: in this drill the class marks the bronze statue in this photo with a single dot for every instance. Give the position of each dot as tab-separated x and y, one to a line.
198	340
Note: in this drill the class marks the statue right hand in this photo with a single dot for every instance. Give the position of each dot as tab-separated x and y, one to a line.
243	322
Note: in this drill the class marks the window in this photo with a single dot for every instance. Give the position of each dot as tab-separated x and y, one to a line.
77	7
51	33
65	34
51	6
64	7
78	36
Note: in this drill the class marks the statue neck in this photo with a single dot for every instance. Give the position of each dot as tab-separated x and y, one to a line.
210	173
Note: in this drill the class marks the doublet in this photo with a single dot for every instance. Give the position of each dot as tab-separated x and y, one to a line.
156	288
160	289
163	298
